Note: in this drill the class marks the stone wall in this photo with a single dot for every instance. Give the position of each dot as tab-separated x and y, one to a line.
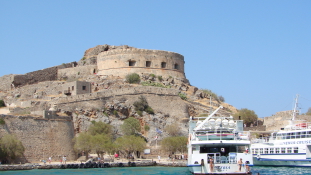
122	62
41	137
6	82
117	92
48	74
76	72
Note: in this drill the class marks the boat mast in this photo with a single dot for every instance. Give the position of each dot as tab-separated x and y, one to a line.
295	109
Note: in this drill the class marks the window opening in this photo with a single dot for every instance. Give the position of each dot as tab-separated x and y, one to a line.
148	63
176	66
163	65
84	88
132	63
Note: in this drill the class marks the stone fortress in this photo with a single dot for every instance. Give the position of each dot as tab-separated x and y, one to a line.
45	109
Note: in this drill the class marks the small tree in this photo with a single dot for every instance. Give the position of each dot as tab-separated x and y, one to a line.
308	112
248	116
10	148
172	130
221	98
174	144
133	78
99	143
130	144
82	143
100	128
130	126
142	105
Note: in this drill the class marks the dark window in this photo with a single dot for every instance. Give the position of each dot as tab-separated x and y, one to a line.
176	66
163	65
72	88
148	63
132	63
84	88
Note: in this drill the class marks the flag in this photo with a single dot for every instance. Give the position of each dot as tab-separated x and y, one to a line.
158	131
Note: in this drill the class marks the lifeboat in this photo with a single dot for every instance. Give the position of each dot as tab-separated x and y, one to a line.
302	125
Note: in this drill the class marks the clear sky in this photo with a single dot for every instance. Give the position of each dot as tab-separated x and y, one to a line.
256	54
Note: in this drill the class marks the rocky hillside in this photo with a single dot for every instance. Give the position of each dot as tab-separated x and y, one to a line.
111	100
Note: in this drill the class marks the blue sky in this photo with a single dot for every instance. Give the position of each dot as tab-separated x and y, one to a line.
256	54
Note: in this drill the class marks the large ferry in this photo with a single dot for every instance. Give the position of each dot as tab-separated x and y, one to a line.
290	146
218	145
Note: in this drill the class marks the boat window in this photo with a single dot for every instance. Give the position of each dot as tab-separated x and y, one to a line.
283	150
298	134
289	150
209	150
295	149
288	135
266	150
261	150
303	134
271	150
277	150
255	151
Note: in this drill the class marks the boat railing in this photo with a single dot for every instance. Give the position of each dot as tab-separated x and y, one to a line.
260	140
207	135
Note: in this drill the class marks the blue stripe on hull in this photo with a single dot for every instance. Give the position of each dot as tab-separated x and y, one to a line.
282	162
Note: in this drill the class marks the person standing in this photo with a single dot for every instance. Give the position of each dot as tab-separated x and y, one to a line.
211	164
159	158
64	160
240	162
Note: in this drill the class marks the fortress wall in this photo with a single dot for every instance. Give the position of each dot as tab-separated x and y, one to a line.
118	92
117	62
48	74
76	72
6	81
41	137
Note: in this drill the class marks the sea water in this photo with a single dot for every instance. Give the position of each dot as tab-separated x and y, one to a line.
153	170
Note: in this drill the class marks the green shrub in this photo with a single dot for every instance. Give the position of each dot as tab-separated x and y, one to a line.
2	122
182	96
149	110
83	58
105	113
152	75
115	112
212	94
140	113
156	84
132	78
142	105
2	104
160	78
147	128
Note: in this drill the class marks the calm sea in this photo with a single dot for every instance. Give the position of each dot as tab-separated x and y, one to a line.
157	170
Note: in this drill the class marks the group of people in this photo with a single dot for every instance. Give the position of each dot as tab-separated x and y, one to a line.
240	164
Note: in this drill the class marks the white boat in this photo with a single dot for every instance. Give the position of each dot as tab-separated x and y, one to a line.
291	146
223	140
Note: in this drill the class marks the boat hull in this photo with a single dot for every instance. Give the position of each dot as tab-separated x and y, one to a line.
282	162
218	169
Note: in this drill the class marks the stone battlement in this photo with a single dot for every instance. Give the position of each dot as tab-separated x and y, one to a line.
133	50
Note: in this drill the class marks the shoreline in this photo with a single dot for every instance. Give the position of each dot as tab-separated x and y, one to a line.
76	165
